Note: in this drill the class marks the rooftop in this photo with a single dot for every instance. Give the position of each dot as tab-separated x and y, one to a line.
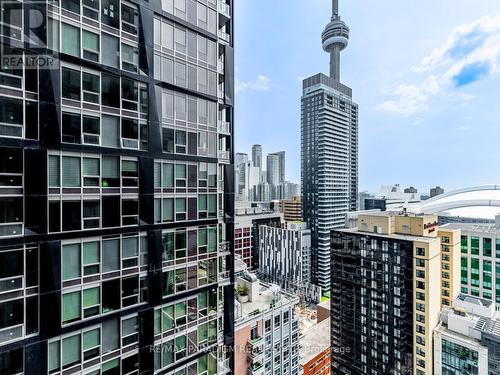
480	228
405	237
315	340
267	297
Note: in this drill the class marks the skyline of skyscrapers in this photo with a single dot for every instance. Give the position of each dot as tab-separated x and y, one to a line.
329	151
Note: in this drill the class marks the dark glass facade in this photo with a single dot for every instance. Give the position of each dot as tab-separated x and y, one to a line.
371	304
116	187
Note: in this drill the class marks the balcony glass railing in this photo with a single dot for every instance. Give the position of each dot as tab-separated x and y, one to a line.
224	8
223	127
224	36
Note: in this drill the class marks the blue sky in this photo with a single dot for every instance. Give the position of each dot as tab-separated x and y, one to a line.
425	74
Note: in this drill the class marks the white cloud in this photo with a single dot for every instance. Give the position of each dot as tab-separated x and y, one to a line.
470	53
261	83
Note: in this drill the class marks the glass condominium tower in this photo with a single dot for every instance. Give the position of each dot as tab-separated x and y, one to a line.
116	187
329	151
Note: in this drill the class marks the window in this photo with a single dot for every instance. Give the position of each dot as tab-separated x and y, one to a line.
91	302
110	13
110	171
11	167
71	261
91	214
130	18
90	44
71	351
110	131
130	173
71	128
91	130
110	50
180	40
130	58
70	84
180	209
110	255
91	87
71	5
71	215
129	94
91	344
91	9
110	88
71	307
487	247
91	258
70	39
70	171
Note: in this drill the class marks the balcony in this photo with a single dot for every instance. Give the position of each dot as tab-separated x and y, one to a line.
224	9
225	37
220	185
221	66
223	367
225	155
224	127
224	248
224	277
256	369
255	350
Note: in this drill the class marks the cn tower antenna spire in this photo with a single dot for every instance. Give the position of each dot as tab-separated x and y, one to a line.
335	9
335	38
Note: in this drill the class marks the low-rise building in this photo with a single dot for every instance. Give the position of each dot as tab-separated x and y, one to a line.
291	209
248	218
315	352
467	339
266	328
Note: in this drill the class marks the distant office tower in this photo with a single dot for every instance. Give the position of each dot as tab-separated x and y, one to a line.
281	158
467	340
287	190
329	143
438	190
273	169
116	187
291	209
411	190
240	158
390	278
257	156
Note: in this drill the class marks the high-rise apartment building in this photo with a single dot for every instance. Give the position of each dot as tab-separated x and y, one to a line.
329	144
117	187
391	275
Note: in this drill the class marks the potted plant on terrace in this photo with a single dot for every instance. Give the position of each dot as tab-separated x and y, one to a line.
243	293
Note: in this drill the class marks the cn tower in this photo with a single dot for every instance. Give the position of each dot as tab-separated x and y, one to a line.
329	152
335	38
